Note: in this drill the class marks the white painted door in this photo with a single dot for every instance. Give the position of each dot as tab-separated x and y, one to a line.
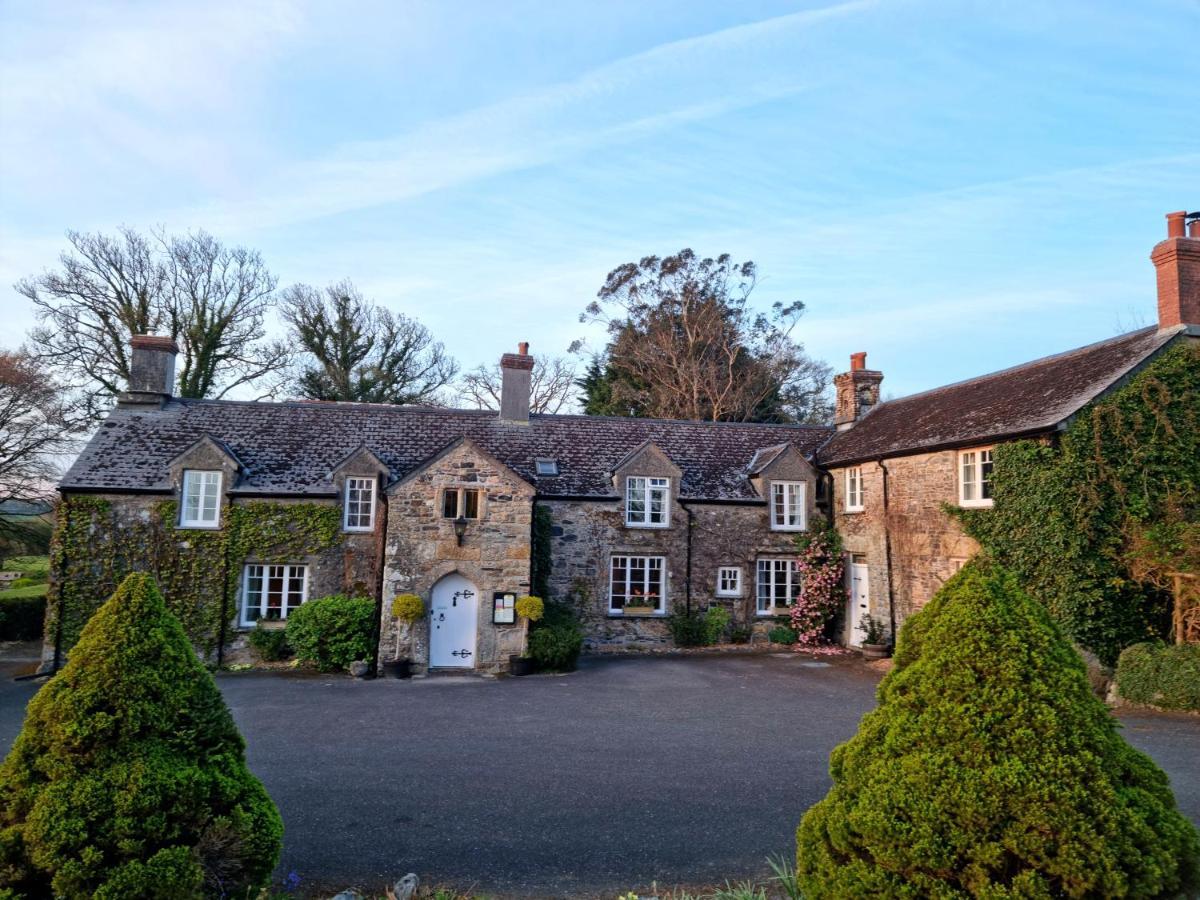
857	603
452	623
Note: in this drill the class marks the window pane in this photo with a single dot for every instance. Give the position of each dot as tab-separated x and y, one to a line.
985	474
274	590
191	497
252	602
450	504
471	504
764	585
653	588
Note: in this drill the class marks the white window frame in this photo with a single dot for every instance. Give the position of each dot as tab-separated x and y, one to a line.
646	489
203	484
729	581
352	506
971	477
854	489
288	574
651	562
789	489
774	569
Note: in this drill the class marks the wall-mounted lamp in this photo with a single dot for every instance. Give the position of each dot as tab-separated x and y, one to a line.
460	528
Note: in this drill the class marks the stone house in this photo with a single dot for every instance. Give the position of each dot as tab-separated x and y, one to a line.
245	510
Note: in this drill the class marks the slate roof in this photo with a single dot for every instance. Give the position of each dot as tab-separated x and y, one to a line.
1029	399
290	448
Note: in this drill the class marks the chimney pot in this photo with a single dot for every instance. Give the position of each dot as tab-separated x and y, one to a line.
1175	222
1194	226
1177	271
858	362
523	348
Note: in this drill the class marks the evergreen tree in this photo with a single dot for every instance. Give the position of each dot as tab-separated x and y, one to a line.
129	779
989	769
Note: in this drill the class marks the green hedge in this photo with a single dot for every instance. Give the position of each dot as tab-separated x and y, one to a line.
22	617
556	641
1167	676
129	777
332	632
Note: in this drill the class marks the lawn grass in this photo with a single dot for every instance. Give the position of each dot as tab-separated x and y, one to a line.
29	590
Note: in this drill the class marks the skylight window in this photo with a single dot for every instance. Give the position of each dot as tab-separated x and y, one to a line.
546	466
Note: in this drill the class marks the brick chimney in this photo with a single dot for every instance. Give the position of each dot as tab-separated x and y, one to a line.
1177	265
515	373
151	370
857	391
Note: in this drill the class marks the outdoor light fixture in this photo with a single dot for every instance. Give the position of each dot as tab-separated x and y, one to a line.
460	528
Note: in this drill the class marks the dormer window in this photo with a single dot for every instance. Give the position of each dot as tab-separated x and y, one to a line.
975	477
647	502
200	505
546	467
359	504
788	507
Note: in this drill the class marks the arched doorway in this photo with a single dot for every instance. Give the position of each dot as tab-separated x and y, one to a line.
452	623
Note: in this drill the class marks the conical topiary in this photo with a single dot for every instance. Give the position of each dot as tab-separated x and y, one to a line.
989	769
129	778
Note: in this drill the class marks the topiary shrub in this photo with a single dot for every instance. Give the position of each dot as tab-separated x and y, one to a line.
556	641
688	629
716	620
129	776
530	608
22	618
1160	675
408	608
990	770
332	632
271	644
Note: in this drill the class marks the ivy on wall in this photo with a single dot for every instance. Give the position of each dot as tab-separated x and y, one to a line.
97	543
540	552
1089	526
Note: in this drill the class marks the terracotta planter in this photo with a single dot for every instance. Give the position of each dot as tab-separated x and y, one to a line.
521	665
874	651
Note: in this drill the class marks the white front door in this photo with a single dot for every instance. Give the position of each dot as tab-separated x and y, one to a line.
857	603
452	623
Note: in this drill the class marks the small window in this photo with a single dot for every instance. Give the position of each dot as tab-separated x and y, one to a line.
975	477
729	581
360	504
201	506
637	581
546	467
854	489
778	584
269	593
787	505
647	502
460	502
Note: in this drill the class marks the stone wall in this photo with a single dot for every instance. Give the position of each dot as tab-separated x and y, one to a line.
587	533
926	543
422	548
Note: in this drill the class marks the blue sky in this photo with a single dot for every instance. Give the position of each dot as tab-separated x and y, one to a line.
952	187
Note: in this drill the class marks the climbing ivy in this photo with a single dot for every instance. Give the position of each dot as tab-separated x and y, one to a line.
1090	525
543	524
96	544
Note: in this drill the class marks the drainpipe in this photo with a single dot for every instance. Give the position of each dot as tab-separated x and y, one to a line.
887	546
377	627
687	594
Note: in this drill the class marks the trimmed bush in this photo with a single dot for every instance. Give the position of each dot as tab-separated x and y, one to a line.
129	776
408	608
989	769
783	634
332	632
22	617
271	644
715	622
1160	675
531	608
555	642
688	629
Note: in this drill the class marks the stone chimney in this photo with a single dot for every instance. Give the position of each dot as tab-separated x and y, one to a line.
515	371
1177	265
151	370
857	391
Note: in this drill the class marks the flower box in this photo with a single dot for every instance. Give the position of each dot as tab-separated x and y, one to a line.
639	611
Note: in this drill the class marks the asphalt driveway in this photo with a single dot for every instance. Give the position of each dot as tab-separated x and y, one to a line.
680	770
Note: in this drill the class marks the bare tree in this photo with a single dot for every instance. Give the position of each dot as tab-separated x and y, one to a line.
38	426
357	351
552	386
684	343
219	299
210	298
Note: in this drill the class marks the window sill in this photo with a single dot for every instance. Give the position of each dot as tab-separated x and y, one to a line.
617	614
358	530
774	612
976	504
661	527
721	596
854	509
187	526
790	529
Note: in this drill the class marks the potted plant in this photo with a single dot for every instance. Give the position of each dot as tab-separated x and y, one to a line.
407	608
875	643
530	609
640	604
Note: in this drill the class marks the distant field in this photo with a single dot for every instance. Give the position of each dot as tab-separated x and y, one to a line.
29	590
